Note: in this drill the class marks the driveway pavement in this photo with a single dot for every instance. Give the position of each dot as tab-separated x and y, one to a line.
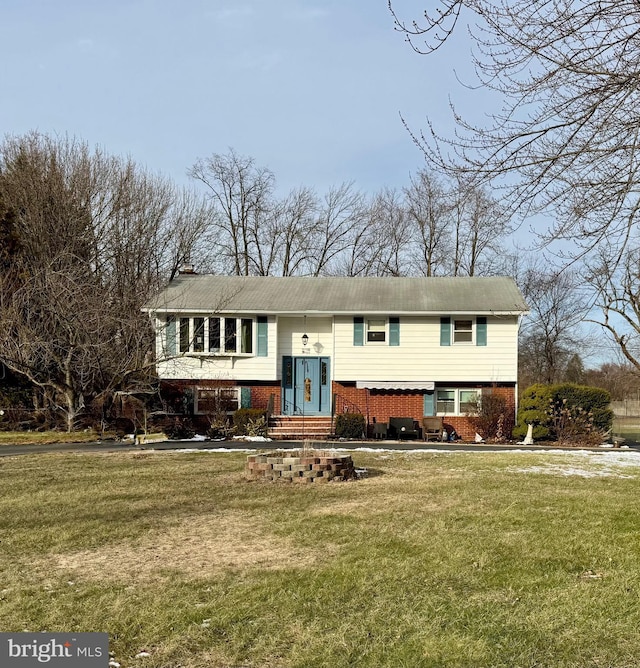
116	446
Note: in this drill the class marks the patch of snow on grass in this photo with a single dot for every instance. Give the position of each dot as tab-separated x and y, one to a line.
588	465
179	451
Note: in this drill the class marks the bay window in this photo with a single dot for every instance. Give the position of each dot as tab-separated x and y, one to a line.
185	338
216	335
230	329
198	335
246	335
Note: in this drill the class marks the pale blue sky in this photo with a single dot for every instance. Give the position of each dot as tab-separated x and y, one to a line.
311	89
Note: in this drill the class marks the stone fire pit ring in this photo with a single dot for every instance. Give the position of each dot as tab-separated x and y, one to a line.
304	468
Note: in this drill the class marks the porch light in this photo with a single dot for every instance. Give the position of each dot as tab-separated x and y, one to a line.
305	340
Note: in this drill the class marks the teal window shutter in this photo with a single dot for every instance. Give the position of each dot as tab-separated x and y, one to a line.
245	397
481	331
394	331
445	331
429	403
263	331
171	335
358	331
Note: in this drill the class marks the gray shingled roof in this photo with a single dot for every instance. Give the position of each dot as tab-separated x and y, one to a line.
306	294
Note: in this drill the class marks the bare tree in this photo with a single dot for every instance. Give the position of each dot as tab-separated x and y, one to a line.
429	210
617	289
341	214
551	334
242	198
566	134
293	223
378	241
261	235
480	224
621	380
96	237
457	226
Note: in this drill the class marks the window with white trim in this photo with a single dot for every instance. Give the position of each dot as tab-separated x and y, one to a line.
185	335
468	401
215	335
246	336
216	400
230	335
376	331
463	331
198	335
457	401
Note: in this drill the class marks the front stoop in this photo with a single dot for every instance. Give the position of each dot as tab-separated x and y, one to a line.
297	427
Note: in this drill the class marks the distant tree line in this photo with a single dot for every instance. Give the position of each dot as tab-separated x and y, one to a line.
431	227
86	239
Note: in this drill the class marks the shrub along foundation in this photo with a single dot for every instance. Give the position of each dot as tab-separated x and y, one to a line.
316	467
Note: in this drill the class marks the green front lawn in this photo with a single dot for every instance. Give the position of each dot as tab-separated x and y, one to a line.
462	559
44	437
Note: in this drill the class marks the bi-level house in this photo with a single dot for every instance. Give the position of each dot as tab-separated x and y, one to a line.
308	347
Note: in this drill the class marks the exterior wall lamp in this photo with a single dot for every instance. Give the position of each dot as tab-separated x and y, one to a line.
305	340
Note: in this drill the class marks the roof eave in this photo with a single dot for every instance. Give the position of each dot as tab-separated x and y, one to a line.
386	312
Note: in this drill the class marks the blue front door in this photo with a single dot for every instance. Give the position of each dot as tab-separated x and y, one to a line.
306	386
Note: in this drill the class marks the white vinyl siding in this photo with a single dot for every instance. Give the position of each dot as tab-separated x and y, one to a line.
320	333
420	356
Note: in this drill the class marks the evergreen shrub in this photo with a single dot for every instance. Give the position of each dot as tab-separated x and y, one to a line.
350	425
562	409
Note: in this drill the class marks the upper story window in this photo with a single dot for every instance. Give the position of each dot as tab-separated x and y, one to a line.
198	335
185	335
230	338
246	335
463	331
376	331
216	335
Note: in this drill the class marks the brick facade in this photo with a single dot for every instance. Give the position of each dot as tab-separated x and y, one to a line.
260	396
380	405
375	405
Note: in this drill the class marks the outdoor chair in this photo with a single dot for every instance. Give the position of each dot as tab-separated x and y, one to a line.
432	428
402	427
380	430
